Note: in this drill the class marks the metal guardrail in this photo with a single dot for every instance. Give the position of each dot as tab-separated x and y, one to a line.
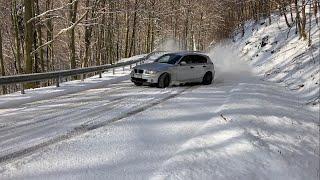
57	75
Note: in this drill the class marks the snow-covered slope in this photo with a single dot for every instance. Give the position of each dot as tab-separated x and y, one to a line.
276	53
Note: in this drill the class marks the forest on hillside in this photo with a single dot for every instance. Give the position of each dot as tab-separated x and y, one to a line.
46	35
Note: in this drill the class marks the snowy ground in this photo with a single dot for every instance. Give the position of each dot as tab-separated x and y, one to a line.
233	129
241	127
32	95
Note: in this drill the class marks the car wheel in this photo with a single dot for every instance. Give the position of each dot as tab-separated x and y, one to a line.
207	78
138	83
164	81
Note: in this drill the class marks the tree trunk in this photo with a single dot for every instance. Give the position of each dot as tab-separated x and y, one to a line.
310	26
100	36
269	6
298	21
315	10
186	27
72	48
39	36
28	40
127	29
303	20
88	32
4	90
16	37
148	38
49	34
110	33
35	54
283	11
118	49
291	13
134	26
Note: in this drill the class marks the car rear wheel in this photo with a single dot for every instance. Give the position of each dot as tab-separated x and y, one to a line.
164	81
207	78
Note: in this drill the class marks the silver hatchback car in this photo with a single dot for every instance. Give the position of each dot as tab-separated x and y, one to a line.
175	69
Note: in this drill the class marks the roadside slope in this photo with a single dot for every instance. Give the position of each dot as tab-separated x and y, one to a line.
277	54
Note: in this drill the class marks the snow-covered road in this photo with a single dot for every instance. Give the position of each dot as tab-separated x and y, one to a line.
237	128
30	127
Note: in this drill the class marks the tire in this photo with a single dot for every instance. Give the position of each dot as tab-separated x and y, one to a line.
207	78
164	80
138	83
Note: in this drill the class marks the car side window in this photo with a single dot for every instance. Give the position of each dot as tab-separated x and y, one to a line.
163	59
196	59
186	60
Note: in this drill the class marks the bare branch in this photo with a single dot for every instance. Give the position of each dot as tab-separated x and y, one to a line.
61	32
50	11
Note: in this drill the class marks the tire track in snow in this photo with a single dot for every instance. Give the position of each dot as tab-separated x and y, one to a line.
54	114
77	114
86	128
42	126
82	116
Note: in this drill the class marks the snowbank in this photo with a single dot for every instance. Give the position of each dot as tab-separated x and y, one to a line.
277	54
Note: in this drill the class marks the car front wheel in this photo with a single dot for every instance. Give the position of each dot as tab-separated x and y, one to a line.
164	81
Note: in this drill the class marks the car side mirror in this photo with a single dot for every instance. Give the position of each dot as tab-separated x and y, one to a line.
183	63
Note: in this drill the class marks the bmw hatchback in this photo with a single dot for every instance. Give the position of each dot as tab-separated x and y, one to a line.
175	69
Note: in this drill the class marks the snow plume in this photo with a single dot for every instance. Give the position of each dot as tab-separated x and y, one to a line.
229	65
168	44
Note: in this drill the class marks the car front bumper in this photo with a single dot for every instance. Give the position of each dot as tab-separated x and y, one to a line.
144	78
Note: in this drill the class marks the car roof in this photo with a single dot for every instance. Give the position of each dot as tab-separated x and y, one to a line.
185	53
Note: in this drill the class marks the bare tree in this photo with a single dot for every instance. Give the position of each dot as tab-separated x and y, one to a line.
28	39
72	18
3	73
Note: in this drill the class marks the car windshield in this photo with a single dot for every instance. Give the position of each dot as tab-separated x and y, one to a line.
168	59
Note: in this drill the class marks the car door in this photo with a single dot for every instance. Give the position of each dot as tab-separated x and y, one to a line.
185	69
200	66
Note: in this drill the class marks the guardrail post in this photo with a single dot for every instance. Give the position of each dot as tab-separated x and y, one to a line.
58	82
123	68
113	71
100	74
22	88
130	66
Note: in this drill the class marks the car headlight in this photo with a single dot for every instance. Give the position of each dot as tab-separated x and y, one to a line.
150	72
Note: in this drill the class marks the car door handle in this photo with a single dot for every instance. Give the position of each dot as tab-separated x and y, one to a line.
204	66
191	67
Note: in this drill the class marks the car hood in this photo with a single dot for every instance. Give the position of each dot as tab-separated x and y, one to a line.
154	66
